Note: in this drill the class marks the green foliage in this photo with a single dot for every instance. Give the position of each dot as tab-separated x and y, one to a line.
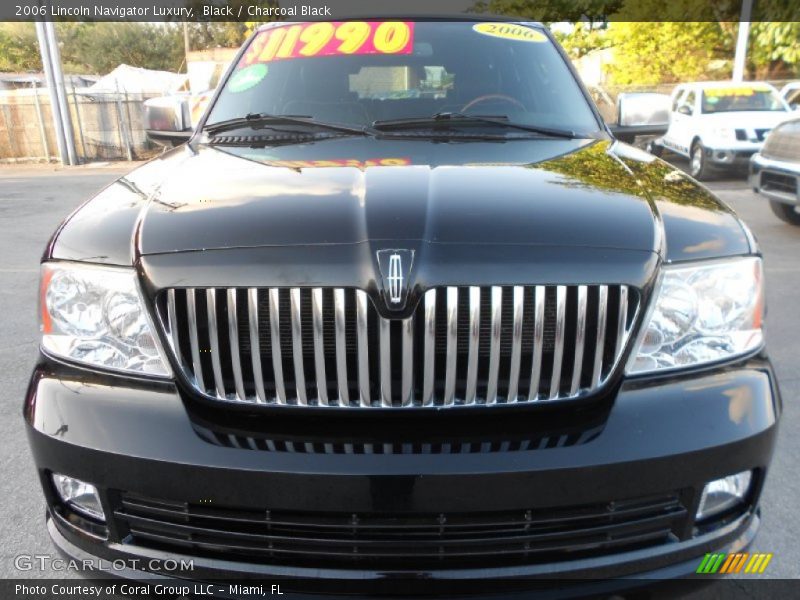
88	47
550	10
99	47
583	39
94	47
19	49
649	53
217	35
774	47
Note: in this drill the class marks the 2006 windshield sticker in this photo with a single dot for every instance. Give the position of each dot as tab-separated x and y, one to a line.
510	31
307	40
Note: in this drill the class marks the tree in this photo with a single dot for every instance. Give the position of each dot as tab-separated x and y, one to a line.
650	53
774	49
583	39
19	48
551	10
99	47
217	35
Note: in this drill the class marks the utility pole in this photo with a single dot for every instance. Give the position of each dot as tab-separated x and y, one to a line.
61	91
740	57
186	43
51	90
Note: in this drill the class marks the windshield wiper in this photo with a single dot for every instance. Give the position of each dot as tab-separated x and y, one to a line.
264	119
457	118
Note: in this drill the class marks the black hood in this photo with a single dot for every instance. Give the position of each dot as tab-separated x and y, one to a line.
525	203
356	190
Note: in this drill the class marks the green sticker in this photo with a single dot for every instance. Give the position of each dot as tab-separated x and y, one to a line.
247	78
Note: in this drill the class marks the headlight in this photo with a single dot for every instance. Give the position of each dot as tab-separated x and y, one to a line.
702	314
725	134
95	315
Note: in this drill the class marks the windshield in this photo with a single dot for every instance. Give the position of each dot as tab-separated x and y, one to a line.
741	98
357	73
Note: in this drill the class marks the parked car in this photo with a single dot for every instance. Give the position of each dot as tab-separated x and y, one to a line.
791	94
775	171
720	124
403	315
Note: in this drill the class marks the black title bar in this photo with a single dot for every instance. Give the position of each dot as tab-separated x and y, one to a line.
271	10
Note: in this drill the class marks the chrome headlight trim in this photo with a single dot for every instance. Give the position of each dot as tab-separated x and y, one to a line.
96	317
749	342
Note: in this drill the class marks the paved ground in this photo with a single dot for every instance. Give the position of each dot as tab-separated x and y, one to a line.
34	200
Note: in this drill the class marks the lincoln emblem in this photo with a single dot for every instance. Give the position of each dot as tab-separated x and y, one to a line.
395	265
395	279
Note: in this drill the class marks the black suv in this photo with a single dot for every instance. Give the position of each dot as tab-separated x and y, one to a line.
402	315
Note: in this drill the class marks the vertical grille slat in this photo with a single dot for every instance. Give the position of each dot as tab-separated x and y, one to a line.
600	338
474	338
558	353
275	338
538	342
172	322
516	344
430	341
580	340
452	350
622	316
197	364
213	335
407	389
460	346
341	347
255	345
319	347
386	361
233	340
363	352
494	344
297	347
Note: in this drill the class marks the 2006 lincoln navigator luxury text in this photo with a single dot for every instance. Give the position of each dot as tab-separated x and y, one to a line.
403	315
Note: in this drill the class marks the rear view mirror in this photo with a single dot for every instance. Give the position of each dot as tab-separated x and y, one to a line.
641	113
167	120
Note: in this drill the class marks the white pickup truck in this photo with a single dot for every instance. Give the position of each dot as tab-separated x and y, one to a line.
720	124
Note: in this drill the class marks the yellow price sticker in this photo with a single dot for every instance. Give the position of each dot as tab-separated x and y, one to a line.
510	31
735	91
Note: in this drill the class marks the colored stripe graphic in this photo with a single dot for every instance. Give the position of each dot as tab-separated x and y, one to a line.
711	563
733	563
758	563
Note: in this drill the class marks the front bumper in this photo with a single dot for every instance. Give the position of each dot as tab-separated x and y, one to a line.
732	156
659	436
776	179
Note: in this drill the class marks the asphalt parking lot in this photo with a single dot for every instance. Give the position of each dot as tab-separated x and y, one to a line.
34	199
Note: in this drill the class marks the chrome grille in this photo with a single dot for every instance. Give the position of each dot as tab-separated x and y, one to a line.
462	346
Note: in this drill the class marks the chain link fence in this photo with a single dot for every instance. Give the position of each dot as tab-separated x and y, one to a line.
106	126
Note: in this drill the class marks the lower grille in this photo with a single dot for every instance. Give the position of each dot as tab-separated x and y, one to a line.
442	445
778	182
462	346
400	540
